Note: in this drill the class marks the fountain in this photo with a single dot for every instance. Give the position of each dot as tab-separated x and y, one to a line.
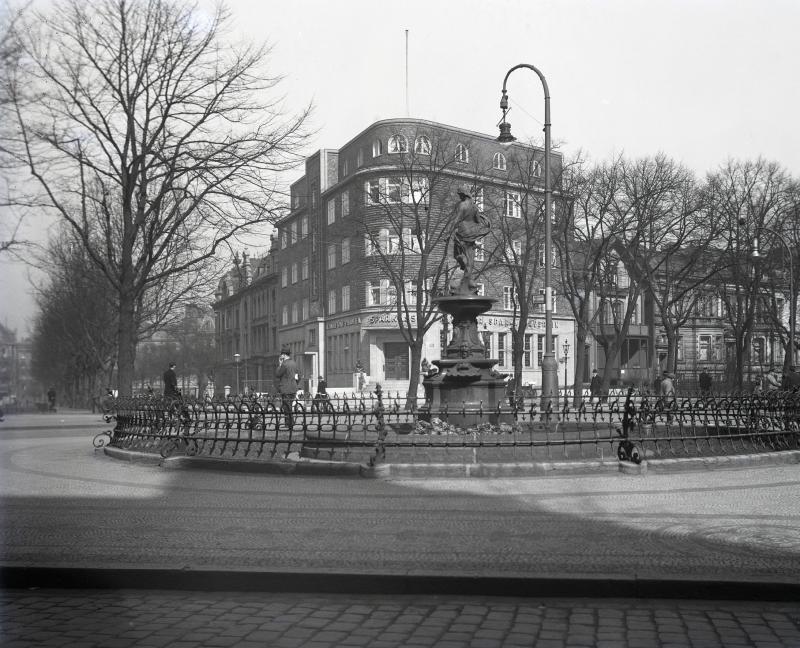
466	390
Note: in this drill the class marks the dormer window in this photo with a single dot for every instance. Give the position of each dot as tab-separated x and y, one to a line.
377	148
499	162
398	144
422	145
462	154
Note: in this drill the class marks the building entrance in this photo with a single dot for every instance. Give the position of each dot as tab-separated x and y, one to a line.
396	355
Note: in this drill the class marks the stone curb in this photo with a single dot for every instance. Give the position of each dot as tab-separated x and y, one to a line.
572	586
294	465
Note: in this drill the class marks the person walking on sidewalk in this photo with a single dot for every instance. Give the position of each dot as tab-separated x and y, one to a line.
667	389
286	375
170	382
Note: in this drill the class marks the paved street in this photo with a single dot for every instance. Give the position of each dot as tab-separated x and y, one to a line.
66	505
152	619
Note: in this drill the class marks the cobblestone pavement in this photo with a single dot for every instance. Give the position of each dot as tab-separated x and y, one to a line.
152	619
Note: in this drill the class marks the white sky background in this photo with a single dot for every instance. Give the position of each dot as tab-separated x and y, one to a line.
700	80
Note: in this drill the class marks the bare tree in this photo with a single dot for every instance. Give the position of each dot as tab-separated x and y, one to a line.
155	140
515	246
746	196
406	220
583	237
74	341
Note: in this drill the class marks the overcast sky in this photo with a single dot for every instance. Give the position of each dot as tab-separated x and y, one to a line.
699	80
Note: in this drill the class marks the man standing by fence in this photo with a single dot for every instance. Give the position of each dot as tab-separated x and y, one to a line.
286	377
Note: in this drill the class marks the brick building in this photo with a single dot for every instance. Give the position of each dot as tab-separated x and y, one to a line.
364	247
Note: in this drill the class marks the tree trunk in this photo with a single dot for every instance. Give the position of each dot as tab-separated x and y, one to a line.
126	344
416	361
580	366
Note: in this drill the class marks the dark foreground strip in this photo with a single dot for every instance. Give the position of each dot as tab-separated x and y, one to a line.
344	583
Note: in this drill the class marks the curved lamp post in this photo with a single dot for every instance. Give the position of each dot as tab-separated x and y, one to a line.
236	358
549	362
792	310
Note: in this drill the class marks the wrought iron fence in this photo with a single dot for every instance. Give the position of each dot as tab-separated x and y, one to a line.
376	427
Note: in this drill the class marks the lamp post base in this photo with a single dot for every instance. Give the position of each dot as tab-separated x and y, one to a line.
549	382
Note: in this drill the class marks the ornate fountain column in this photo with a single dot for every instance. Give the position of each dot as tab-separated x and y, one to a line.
466	390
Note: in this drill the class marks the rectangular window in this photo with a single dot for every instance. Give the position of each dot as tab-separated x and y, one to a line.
511	204
285	315
304	269
331	302
344	168
510	298
539	350
294	273
360	158
345	204
411	293
283	239
304	227
284	277
345	250
679	349
419	191
526	351
704	348
372	189
294	312
373	294
331	211
393	190
392	243
345	298
305	309
331	257
501	348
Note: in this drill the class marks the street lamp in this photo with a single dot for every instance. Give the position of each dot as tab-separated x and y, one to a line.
549	362
236	358
792	310
566	357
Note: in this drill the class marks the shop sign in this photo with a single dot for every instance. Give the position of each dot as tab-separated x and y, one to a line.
387	320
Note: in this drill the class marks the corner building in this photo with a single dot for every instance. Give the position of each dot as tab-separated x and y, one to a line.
347	247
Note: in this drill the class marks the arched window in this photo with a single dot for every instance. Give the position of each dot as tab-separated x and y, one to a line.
422	145
377	148
398	144
462	154
499	161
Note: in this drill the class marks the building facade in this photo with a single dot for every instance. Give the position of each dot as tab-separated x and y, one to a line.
364	247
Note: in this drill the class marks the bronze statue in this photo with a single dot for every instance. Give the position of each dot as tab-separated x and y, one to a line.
470	226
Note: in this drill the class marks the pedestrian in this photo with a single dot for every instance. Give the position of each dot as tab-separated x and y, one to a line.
595	385
287	375
362	380
171	382
321	399
771	381
704	382
667	391
51	399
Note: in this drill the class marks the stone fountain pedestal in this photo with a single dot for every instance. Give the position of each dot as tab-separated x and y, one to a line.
466	391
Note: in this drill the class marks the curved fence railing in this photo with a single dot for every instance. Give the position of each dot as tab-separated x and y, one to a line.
376	428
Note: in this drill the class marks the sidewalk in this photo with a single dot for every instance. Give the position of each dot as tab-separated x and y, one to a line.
61	419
